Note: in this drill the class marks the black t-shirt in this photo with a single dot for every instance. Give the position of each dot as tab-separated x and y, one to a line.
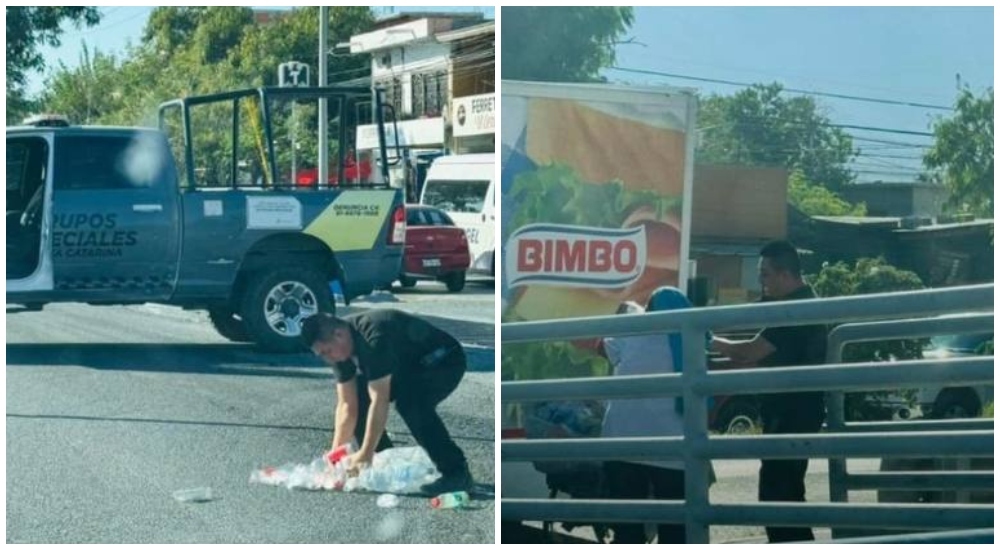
803	345
388	341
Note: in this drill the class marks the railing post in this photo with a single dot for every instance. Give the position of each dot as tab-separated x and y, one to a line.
836	422
696	469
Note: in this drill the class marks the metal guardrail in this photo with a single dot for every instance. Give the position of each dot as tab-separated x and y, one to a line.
842	481
696	384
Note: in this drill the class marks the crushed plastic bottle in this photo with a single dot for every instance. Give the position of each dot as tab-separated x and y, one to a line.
457	499
387	500
398	470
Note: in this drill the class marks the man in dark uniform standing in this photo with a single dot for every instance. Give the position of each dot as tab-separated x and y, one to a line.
387	356
787	413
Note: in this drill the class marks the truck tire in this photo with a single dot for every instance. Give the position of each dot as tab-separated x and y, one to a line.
957	403
739	416
228	325
455	281
276	302
407	282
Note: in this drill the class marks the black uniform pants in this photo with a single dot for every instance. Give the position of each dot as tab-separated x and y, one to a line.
417	397
785	480
630	481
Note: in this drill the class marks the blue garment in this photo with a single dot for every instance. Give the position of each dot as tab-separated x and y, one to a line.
668	298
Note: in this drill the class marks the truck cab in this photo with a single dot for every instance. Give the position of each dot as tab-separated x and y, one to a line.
197	213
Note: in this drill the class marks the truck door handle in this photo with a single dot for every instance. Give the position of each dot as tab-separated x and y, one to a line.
147	208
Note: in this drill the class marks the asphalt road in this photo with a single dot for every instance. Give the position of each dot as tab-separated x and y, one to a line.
110	410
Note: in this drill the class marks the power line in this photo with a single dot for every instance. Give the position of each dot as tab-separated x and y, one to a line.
106	26
791	90
885	130
763	123
895	143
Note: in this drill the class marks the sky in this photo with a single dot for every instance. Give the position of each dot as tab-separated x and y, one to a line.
124	24
907	54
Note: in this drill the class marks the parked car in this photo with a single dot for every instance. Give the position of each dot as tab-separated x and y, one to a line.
956	401
435	249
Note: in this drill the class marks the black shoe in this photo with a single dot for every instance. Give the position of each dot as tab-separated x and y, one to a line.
450	483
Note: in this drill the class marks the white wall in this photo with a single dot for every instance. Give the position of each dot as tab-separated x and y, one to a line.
406	60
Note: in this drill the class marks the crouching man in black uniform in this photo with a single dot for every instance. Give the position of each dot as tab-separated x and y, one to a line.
388	356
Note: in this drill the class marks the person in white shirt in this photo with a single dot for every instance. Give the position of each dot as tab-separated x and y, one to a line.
661	416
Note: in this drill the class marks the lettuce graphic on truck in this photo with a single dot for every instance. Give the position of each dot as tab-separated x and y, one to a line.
595	183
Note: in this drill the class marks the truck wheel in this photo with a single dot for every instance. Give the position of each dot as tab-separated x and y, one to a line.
957	404
407	282
278	300
738	417
455	281
228	325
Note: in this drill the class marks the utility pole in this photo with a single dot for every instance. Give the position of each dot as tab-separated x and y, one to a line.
323	168
293	74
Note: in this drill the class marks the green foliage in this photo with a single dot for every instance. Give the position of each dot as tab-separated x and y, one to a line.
199	50
561	44
962	155
187	51
988	411
88	93
759	127
870	276
814	200
549	360
555	194
28	29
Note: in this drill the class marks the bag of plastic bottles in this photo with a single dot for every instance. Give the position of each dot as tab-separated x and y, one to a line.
398	470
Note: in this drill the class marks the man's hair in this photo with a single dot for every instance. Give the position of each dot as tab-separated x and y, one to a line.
320	327
783	257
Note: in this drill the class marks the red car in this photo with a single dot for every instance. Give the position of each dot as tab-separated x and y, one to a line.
435	249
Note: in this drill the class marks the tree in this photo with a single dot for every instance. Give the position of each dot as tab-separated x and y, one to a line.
870	276
759	127
813	200
28	29
88	93
962	154
563	44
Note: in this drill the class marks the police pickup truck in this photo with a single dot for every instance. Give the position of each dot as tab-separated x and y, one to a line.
106	215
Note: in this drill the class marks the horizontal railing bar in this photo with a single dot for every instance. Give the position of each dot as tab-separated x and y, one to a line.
754	316
847	377
918	481
903	516
923	516
852	333
958	424
963	444
973	443
963	536
625	511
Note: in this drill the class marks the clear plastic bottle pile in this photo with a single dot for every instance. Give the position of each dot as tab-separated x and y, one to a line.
399	470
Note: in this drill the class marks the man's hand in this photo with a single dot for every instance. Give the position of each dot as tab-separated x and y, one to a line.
743	353
359	461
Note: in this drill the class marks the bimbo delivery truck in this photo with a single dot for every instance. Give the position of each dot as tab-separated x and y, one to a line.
595	205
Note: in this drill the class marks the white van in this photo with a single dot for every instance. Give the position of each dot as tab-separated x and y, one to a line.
463	186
